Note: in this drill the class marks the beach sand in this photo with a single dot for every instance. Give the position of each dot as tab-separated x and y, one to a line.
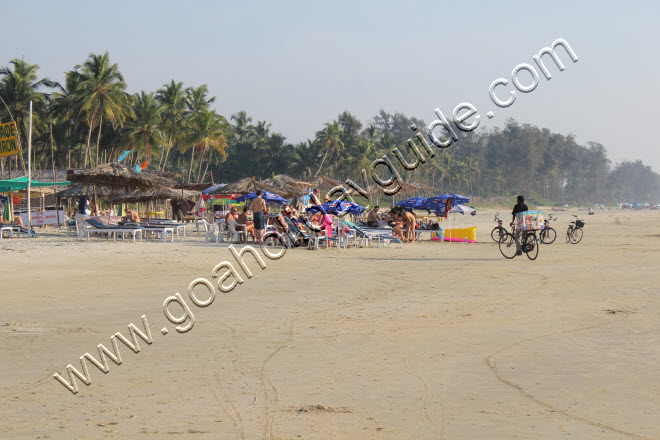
432	341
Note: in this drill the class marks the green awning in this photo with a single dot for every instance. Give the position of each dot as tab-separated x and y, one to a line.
22	183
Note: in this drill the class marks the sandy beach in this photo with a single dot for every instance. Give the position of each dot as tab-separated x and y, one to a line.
431	341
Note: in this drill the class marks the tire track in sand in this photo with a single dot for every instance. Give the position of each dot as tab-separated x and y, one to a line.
428	397
490	361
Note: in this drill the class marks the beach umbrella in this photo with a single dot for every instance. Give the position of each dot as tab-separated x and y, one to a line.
324	182
440	204
81	190
339	207
414	203
462	209
210	190
147	195
20	183
268	196
455	199
288	184
243	186
115	175
7	211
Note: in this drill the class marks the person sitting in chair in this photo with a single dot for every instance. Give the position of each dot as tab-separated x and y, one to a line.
374	217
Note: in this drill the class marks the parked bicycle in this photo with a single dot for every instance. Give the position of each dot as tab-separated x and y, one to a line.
529	244
548	235
574	232
498	232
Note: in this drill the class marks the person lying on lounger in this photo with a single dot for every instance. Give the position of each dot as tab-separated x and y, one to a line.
16	222
131	216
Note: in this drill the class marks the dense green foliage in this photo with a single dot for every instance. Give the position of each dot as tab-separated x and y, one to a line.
92	119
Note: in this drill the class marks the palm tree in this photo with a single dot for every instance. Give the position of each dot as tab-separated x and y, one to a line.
101	90
144	130
260	134
68	118
196	99
303	154
360	156
471	166
242	127
206	129
330	141
173	102
18	86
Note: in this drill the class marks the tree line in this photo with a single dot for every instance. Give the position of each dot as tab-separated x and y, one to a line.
92	119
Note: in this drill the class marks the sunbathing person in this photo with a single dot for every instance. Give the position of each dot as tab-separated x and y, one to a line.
16	222
131	216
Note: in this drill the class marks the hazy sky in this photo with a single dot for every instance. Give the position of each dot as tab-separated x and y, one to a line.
299	64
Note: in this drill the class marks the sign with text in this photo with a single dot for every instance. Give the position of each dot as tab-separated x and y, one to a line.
44	217
8	139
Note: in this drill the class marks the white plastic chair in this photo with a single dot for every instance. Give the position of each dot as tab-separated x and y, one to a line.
233	234
212	231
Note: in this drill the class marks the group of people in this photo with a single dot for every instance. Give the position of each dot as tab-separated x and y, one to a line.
253	218
402	221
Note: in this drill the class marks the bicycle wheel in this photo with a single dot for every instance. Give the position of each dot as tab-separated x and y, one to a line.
508	245
568	234
548	236
576	236
497	233
531	246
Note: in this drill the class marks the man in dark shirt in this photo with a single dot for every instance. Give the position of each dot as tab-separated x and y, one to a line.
520	207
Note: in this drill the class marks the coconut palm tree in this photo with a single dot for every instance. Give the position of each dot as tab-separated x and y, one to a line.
101	91
303	155
471	166
144	129
197	100
330	141
242	127
19	84
206	130
172	99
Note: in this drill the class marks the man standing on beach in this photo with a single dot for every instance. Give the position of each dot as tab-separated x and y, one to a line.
258	207
519	207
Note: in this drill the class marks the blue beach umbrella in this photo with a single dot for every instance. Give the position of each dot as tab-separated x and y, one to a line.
414	203
269	197
438	204
339	207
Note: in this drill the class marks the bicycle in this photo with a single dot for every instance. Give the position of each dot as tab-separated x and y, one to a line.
574	232
548	235
499	230
529	244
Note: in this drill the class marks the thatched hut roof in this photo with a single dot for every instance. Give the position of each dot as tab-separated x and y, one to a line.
244	186
153	194
81	190
288	184
116	175
325	182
